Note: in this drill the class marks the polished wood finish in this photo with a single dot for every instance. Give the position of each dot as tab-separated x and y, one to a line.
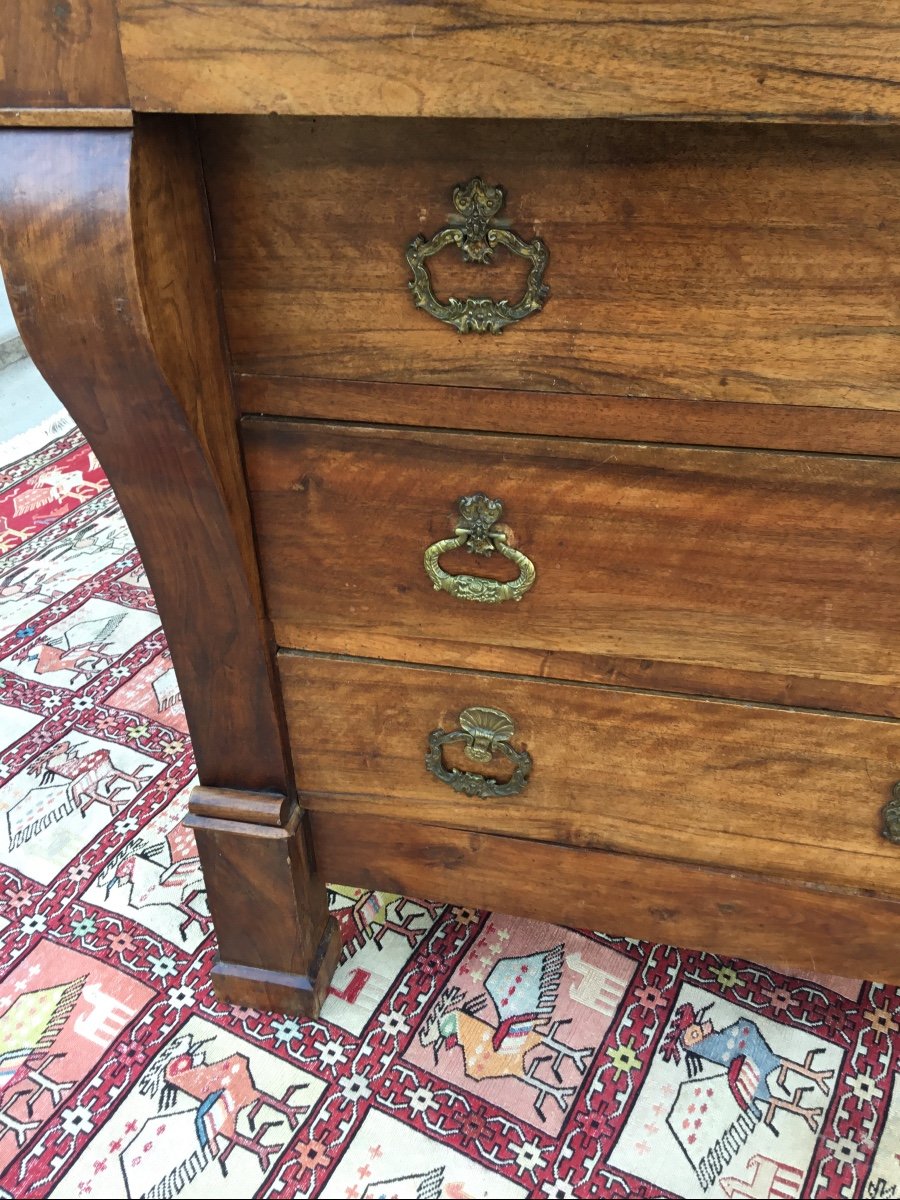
92	230
791	794
106	251
765	920
61	55
833	61
627	418
712	284
228	804
278	947
692	262
728	572
67	118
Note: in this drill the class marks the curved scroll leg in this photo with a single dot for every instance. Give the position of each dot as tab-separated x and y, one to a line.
107	253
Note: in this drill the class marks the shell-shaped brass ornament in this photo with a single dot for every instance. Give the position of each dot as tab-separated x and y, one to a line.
484	732
485	726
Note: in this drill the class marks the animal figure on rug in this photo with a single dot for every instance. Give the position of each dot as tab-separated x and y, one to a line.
84	649
108	536
750	1061
368	918
92	777
162	874
523	991
224	1092
28	1030
55	484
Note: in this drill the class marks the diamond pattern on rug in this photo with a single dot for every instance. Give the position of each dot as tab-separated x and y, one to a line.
459	1053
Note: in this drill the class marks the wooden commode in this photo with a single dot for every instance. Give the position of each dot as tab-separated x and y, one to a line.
508	414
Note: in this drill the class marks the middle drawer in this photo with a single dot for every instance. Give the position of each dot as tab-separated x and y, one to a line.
739	573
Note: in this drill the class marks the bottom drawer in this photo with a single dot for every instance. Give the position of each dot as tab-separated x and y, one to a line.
773	792
769	921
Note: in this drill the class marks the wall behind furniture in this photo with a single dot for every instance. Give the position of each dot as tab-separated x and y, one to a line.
7	324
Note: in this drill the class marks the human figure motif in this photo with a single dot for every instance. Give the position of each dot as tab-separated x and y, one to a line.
741	1048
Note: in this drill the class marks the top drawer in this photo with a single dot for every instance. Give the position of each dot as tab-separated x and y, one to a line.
741	264
749	59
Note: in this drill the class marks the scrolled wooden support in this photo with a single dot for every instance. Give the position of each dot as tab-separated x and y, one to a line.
107	254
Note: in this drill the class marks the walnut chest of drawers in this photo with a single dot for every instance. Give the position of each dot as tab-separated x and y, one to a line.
508	414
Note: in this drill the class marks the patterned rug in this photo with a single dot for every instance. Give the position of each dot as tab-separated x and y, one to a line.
459	1054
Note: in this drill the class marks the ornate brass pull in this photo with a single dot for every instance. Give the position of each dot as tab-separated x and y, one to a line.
891	814
475	530
477	204
485	731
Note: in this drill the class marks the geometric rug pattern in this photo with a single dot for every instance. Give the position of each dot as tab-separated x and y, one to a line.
459	1053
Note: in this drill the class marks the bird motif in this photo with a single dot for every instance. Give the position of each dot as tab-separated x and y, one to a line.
523	991
751	1063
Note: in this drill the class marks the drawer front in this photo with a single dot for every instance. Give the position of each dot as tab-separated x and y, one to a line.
783	794
715	263
744	61
719	572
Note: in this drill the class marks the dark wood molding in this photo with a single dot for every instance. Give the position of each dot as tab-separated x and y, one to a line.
95	227
105	244
625	418
752	60
229	804
278	947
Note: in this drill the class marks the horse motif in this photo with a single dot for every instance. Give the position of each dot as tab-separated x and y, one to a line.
92	777
224	1091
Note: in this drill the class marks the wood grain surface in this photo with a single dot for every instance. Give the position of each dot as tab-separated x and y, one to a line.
61	54
789	794
727	263
729	572
103	240
763	920
627	418
107	253
812	60
278	946
67	118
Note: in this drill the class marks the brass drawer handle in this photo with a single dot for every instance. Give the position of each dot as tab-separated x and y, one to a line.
477	204
475	530
485	731
891	814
